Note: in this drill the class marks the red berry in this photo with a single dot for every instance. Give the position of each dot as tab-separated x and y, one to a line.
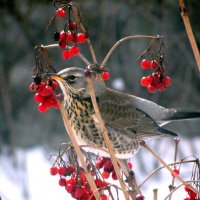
176	171
74	50
38	98
156	79
108	166
69	36
66	54
41	86
114	176
53	171
63	36
70	187
62	171
145	64
79	192
100	162
105	76
81	38
62	44
46	91
139	197
151	88
70	169
55	85
105	174
130	166
104	197
55	105
98	182
186	189
160	86
33	87
144	81
42	107
49	101
72	26
167	81
60	12
62	182
153	64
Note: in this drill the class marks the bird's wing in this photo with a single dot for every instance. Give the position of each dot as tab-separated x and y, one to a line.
118	111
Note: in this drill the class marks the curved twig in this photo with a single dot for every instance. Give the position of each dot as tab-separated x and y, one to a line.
168	168
123	40
159	168
177	187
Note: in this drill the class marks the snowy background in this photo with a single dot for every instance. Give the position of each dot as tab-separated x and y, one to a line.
26	176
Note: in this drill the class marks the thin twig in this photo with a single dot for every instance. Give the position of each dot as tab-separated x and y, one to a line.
168	168
105	136
175	157
78	151
80	55
91	49
123	40
177	187
159	168
186	20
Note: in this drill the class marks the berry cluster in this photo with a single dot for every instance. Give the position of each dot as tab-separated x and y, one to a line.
71	32
76	184
44	93
107	166
191	195
157	80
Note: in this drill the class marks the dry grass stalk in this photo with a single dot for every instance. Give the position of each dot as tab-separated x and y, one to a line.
105	135
78	151
168	168
186	20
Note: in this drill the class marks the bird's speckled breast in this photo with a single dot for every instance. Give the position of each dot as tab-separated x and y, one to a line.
87	130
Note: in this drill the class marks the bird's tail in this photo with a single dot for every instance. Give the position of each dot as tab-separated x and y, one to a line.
184	114
166	132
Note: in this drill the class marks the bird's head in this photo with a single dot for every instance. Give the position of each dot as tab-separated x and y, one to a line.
73	80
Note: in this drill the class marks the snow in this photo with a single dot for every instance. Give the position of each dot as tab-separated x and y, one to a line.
27	176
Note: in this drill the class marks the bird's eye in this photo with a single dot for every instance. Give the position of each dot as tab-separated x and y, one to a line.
71	78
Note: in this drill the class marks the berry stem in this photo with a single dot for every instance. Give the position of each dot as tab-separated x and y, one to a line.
178	186
168	168
81	56
106	138
91	49
122	41
78	151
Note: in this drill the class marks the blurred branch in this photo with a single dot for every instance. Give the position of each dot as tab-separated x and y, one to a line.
184	14
6	99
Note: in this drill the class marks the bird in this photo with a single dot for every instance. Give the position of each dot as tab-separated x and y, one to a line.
128	119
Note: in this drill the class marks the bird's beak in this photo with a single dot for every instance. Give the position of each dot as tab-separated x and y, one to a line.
56	77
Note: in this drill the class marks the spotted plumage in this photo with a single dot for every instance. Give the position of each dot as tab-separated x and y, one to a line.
127	118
